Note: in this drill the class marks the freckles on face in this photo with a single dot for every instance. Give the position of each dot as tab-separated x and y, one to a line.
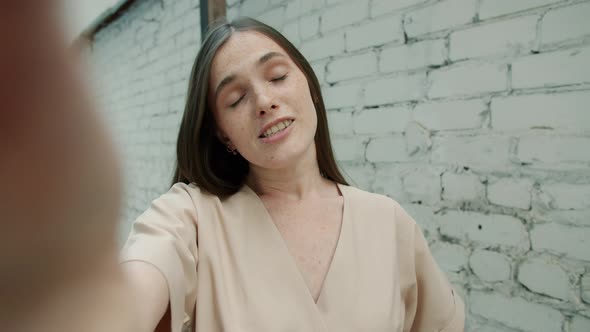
253	84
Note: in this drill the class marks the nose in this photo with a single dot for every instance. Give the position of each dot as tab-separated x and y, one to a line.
265	101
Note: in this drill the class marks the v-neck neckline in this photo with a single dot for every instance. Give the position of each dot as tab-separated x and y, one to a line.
292	261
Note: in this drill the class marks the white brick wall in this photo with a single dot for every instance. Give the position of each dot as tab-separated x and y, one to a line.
516	36
468	112
566	23
467	79
544	278
438	16
354	66
540	111
383	120
462	187
573	240
344	14
399	88
516	312
414	56
552	69
492	230
511	192
454	257
382	31
451	115
490	266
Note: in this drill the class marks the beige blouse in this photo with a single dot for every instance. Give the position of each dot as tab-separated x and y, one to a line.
237	274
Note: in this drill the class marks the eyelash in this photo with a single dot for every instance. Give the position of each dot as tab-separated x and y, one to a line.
278	79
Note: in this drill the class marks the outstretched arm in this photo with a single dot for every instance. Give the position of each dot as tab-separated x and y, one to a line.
60	192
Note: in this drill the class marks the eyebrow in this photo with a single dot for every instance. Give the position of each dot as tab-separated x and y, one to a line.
230	78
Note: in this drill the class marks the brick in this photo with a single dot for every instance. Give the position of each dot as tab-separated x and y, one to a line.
298	8
439	16
387	149
309	26
503	37
399	88
382	120
422	185
585	287
381	7
323	47
490	266
417	55
450	115
516	312
566	23
568	217
352	67
339	96
344	14
555	111
450	257
568	196
348	149
552	69
467	79
554	150
493	229
580	324
340	123
319	68
375	33
573	241
275	18
462	187
478	151
545	278
493	8
389	182
511	192
418	141
253	8
424	217
360	175
291	32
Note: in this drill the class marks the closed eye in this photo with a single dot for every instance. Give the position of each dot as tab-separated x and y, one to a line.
237	102
282	78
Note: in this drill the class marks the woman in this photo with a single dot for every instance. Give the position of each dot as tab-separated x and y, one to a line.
260	231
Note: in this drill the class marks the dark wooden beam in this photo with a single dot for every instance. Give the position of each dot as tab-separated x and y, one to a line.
210	11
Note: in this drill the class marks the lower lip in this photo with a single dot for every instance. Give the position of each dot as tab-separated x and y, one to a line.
278	136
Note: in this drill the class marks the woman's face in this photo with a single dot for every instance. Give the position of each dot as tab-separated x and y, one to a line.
261	101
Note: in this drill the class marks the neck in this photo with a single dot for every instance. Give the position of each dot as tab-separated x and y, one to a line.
298	181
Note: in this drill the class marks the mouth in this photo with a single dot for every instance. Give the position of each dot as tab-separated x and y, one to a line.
276	128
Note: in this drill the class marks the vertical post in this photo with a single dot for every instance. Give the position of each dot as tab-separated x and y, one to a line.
210	11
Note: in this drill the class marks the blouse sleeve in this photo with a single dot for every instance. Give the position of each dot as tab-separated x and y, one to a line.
432	304
165	236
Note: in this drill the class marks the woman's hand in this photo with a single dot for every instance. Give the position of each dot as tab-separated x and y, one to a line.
60	184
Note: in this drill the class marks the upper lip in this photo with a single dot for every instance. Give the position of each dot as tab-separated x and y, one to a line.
273	123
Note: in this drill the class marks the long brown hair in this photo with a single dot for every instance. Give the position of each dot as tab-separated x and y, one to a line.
201	157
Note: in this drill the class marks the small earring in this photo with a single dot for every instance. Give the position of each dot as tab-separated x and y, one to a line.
230	150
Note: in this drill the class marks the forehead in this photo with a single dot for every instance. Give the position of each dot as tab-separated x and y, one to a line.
242	49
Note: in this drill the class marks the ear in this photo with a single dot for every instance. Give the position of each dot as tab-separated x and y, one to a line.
221	136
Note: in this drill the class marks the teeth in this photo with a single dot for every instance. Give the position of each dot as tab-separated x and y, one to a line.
276	128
